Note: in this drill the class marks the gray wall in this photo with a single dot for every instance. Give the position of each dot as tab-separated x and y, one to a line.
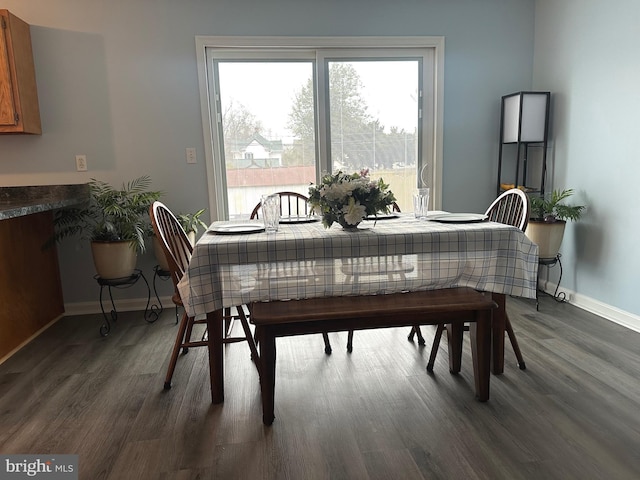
586	52
117	81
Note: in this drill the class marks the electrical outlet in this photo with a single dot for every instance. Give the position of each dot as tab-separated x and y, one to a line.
191	155
81	163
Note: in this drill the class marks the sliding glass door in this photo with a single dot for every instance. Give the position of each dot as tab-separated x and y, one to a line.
281	117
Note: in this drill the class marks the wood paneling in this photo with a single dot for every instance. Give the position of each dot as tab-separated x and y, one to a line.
30	290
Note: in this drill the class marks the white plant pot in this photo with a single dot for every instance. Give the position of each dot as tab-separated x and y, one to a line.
548	237
192	237
114	259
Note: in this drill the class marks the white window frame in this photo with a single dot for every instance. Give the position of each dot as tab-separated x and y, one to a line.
432	111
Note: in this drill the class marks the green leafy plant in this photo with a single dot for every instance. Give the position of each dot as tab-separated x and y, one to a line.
191	222
111	214
550	209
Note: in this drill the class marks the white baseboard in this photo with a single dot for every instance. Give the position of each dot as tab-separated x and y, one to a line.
122	305
613	314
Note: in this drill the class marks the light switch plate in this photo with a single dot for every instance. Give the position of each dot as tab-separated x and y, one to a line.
191	155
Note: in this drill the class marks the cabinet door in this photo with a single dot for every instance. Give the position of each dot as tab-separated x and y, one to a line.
19	112
7	104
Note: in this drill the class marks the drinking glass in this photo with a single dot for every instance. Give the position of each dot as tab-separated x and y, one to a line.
271	212
421	203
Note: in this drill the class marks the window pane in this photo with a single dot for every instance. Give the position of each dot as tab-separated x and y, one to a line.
268	129
374	121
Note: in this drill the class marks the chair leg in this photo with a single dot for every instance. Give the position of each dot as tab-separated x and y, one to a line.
435	346
226	315
350	341
187	335
228	321
514	343
247	332
415	330
327	343
411	334
510	333
176	349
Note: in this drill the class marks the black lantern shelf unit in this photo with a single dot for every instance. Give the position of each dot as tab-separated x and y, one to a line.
524	122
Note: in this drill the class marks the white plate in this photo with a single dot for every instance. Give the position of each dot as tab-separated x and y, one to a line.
458	217
233	229
301	219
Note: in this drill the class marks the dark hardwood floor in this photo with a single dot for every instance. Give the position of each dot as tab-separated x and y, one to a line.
373	414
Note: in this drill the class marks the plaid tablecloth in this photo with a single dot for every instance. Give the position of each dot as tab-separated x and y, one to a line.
393	255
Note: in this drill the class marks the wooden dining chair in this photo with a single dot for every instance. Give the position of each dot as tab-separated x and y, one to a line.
293	204
178	249
511	208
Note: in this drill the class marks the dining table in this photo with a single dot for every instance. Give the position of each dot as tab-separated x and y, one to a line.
237	263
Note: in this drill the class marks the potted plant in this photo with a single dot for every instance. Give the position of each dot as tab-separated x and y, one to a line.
548	220
191	223
116	222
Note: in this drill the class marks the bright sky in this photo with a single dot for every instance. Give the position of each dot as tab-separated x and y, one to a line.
268	90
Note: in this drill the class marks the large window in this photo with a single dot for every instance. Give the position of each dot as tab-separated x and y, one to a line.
281	116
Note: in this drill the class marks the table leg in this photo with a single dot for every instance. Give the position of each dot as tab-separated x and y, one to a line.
267	361
498	323
481	353
216	357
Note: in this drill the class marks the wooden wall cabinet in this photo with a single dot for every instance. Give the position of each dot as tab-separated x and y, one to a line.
19	111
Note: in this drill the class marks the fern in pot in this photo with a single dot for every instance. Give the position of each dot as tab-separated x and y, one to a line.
115	221
549	215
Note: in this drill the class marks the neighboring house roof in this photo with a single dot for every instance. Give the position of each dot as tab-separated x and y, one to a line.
273	146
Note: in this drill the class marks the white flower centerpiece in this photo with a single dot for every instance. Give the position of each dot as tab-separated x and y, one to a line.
349	198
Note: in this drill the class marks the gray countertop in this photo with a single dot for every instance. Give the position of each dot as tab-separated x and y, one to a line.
20	201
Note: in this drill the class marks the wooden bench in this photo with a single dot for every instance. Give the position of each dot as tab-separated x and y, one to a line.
453	306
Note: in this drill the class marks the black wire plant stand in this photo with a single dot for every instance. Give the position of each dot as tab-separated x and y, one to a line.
558	296
150	314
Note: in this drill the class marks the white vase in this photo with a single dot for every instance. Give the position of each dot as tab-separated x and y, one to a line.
114	259
347	226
